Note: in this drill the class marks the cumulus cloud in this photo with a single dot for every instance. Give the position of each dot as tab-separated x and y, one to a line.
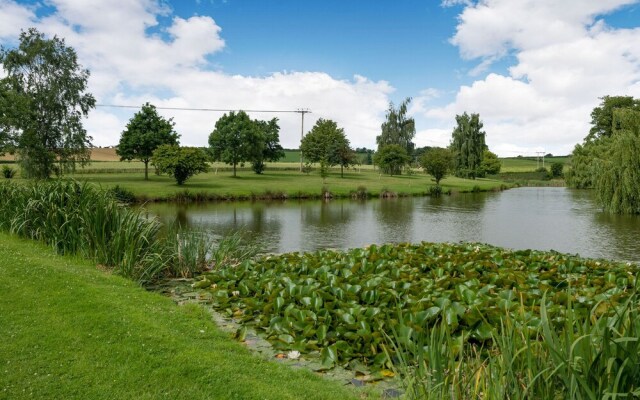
138	51
566	58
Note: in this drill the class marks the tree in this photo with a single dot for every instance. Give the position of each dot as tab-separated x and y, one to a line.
43	99
436	162
327	145
272	150
468	145
145	132
609	158
236	139
181	162
491	164
602	116
556	169
391	158
397	128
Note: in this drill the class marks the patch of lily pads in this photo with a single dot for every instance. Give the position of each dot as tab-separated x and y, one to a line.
341	305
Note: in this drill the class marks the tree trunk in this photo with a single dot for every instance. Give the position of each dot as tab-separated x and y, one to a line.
146	170
341	171
234	170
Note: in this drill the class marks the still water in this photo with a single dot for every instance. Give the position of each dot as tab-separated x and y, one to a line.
561	219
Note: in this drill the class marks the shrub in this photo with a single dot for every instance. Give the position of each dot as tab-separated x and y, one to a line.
556	169
8	172
435	191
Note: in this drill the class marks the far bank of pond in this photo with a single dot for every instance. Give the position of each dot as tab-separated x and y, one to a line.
549	218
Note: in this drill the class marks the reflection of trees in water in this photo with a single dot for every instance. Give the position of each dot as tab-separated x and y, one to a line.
395	217
325	213
621	232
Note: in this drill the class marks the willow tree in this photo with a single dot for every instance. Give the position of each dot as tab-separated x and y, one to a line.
616	175
398	128
468	145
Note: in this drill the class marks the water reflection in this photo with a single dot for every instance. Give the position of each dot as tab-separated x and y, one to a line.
541	218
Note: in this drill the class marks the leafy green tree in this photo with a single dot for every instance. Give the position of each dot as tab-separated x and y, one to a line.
468	145
236	139
616	175
272	150
181	162
43	99
145	132
436	162
556	169
602	116
345	156
327	145
391	158
397	128
490	163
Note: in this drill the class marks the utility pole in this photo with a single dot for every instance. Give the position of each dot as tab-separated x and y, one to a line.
538	155
302	112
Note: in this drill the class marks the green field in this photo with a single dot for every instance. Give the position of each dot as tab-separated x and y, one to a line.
528	164
281	183
71	331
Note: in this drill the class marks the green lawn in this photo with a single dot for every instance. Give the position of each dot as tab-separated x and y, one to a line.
275	181
70	331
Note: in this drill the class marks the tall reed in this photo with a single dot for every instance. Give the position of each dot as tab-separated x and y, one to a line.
582	357
77	218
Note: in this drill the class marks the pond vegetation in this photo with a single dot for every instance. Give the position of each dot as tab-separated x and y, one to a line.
564	323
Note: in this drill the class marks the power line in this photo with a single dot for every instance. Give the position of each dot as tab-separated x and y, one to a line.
199	109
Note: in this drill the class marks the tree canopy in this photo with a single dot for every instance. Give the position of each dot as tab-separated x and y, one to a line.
397	128
490	163
180	162
436	162
327	145
145	132
609	158
468	145
391	158
43	100
236	139
271	150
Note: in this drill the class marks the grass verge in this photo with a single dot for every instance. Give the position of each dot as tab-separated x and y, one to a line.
282	184
72	332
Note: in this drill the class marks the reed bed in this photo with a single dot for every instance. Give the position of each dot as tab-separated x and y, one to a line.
77	218
585	357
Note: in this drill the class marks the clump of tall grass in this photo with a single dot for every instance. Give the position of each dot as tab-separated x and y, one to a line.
583	357
80	219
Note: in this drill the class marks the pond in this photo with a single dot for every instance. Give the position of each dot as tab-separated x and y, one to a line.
559	219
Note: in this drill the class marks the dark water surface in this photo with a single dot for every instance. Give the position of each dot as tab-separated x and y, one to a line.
561	219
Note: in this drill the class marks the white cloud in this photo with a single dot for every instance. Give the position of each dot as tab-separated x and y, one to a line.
566	58
134	59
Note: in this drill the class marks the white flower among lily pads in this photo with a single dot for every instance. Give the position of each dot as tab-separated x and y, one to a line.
293	355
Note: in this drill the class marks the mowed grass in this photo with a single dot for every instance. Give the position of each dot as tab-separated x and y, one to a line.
291	183
71	331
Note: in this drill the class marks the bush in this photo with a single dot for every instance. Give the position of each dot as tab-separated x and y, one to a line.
181	162
435	191
556	169
8	172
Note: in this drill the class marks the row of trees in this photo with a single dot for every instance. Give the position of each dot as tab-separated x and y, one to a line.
608	160
43	100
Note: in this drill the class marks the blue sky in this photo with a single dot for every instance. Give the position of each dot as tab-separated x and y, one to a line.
533	69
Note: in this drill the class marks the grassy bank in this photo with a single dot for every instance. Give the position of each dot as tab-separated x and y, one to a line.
73	332
282	184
